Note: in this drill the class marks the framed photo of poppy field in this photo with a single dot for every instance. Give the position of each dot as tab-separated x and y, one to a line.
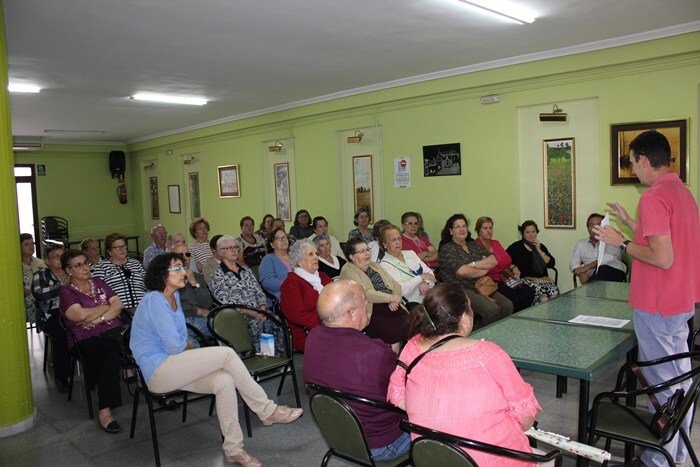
559	183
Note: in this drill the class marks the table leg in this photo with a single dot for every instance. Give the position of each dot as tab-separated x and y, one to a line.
561	386
583	418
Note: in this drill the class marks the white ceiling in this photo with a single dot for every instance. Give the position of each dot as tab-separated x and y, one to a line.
253	56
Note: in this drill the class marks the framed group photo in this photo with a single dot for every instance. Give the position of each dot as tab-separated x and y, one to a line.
621	135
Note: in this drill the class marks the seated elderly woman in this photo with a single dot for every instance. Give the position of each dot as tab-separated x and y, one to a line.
45	288
362	230
170	362
195	296
234	284
199	230
300	291
410	240
91	248
90	309
327	262
302	227
388	317
30	266
122	274
253	245
464	262
513	288
415	277
265	226
533	259
482	396
275	265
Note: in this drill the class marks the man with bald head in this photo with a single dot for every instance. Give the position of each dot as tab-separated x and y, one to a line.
339	356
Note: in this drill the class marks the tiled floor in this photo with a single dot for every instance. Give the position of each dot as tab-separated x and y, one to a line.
64	436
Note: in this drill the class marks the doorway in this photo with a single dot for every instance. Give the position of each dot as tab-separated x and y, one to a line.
27	210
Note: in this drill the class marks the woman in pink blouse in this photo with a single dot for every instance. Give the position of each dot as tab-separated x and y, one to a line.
521	295
464	386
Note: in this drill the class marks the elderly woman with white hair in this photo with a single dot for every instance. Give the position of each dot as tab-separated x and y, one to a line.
234	284
300	291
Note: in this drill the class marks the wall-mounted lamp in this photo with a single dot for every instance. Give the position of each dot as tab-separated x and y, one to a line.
149	166
277	147
188	160
557	115
357	138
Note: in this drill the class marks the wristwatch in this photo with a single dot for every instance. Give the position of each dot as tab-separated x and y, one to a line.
623	245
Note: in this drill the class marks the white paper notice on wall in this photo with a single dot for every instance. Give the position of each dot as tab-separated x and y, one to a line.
402	172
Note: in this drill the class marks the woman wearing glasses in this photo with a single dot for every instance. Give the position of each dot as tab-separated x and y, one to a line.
89	309
410	240
122	274
170	362
275	266
388	320
234	284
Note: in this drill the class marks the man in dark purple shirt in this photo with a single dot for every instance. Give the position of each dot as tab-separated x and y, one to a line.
339	356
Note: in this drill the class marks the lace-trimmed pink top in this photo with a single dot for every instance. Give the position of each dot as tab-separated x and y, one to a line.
475	392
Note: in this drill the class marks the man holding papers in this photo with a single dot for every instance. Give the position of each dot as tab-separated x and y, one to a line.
584	261
665	265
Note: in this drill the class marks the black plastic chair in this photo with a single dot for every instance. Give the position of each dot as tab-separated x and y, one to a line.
228	325
149	396
437	449
76	358
612	419
54	228
342	429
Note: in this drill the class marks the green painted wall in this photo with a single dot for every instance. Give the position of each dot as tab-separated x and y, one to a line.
79	187
501	146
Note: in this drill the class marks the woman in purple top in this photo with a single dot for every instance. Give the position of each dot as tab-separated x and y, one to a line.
89	309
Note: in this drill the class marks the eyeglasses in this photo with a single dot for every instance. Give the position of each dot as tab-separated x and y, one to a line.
118	247
177	268
279	239
85	264
410	223
362	252
187	254
227	248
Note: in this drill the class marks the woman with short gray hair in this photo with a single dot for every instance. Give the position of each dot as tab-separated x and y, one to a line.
327	262
299	291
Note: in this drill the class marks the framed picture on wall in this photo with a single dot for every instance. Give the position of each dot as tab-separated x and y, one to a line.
621	135
153	190
442	159
559	183
362	183
229	183
282	198
195	210
174	199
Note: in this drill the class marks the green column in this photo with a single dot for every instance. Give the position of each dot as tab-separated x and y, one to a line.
16	403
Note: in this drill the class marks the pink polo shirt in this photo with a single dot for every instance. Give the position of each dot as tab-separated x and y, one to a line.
667	208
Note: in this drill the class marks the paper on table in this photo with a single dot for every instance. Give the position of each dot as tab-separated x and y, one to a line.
599	321
601	244
563	442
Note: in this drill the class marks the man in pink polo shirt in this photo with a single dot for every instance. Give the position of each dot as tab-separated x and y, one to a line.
665	266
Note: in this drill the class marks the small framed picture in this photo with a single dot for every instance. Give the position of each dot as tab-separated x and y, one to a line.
174	199
282	199
621	135
559	183
229	183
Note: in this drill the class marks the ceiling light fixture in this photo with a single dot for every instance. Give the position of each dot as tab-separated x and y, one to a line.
277	147
557	115
357	138
168	99
504	9
23	88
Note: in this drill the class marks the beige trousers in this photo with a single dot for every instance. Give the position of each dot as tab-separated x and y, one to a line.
218	371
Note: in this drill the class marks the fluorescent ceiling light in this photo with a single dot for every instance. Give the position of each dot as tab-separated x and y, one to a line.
168	99
28	88
504	9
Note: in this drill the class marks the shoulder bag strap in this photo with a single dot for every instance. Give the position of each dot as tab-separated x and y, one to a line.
415	361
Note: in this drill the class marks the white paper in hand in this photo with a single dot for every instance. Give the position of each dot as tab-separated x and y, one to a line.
601	244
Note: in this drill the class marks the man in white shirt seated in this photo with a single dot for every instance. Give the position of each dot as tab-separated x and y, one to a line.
585	258
320	225
159	236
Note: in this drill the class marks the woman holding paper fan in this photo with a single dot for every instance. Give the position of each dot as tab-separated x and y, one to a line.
505	273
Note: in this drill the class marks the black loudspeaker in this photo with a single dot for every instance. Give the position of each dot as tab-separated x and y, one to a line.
117	163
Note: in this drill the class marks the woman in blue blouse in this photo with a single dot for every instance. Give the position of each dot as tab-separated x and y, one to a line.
170	362
275	266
